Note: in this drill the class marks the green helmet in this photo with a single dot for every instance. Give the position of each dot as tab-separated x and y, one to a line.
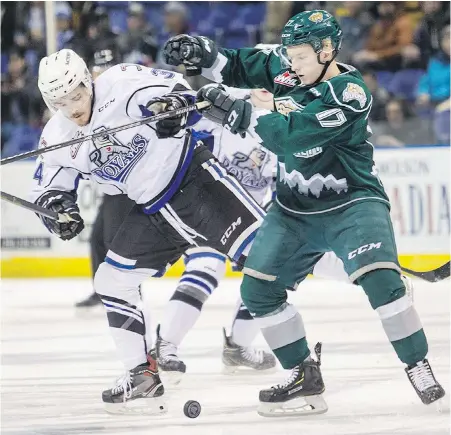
312	27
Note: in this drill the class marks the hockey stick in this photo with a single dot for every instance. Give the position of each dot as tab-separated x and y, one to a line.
159	117
434	275
60	217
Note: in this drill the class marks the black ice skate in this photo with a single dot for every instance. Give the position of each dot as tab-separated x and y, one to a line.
168	361
138	392
423	380
236	357
91	301
300	394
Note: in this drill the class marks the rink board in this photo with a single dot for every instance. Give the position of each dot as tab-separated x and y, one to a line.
47	267
416	180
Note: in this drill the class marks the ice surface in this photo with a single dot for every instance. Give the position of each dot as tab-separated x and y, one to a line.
56	362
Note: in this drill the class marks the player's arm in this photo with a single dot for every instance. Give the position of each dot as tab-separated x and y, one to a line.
55	188
326	120
243	68
149	97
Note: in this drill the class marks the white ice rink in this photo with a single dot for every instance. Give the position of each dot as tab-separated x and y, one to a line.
56	362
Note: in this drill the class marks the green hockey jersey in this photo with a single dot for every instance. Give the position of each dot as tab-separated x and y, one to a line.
319	133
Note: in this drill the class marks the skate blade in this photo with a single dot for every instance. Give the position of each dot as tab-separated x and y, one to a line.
301	406
142	406
171	378
246	371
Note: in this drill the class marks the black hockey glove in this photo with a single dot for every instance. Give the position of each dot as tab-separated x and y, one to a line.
61	202
171	126
195	52
232	113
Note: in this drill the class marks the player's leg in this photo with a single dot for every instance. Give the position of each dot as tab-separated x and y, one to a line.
363	238
110	215
331	267
281	256
204	268
141	248
225	219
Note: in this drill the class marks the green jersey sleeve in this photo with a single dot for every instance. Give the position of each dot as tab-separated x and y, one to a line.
336	116
245	68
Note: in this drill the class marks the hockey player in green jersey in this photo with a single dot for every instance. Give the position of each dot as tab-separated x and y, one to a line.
329	196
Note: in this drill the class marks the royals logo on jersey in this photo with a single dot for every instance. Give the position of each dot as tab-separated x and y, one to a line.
114	159
248	168
287	105
354	92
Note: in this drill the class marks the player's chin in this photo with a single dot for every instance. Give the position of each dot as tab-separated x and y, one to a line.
82	120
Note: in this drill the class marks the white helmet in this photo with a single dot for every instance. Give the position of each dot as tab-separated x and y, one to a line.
60	73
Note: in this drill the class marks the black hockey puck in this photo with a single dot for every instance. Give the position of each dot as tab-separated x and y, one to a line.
192	409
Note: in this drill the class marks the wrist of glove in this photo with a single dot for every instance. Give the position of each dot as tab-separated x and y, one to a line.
195	52
63	203
234	114
169	127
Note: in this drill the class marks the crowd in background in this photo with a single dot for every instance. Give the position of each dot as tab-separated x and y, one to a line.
401	48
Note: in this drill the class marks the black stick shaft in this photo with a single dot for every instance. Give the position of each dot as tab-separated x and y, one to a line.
30	206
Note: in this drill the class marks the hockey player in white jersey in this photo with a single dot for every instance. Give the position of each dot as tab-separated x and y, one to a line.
183	196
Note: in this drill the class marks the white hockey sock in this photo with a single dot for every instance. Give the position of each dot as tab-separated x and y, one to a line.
204	269
179	317
244	328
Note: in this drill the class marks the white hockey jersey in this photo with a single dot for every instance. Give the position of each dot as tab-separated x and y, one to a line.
133	161
252	165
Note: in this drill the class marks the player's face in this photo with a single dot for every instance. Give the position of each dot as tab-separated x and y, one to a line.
304	63
76	106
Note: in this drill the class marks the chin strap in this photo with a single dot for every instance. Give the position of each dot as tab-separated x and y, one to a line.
326	66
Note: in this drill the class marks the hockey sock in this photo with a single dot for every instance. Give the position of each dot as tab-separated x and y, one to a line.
204	268
244	328
400	320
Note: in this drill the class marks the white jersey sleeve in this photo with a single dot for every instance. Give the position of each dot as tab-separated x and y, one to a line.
53	170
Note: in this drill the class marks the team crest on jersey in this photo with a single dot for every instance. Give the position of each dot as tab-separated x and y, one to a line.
113	159
286	79
316	17
248	168
74	148
354	92
287	105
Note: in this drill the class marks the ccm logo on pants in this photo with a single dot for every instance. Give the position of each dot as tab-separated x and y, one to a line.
363	249
230	230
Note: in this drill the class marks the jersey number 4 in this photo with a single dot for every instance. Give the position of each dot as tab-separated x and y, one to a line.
331	118
38	173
